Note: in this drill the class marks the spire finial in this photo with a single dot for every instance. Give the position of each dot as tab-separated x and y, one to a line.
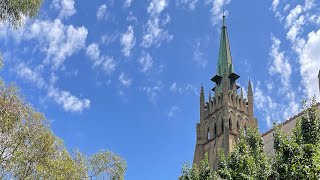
223	16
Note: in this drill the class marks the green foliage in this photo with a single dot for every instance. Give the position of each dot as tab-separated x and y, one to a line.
298	157
247	160
203	172
13	12
30	150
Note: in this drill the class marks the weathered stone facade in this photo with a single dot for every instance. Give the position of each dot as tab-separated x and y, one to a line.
223	115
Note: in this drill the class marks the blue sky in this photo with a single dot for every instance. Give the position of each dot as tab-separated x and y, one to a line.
125	75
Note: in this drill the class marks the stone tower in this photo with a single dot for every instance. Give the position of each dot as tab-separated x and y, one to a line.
223	115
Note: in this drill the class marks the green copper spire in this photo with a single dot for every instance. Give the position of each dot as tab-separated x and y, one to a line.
225	62
225	59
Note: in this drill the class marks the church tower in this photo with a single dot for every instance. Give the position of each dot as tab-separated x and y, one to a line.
224	114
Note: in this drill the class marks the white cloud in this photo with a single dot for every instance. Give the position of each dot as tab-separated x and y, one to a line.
309	59
217	9
272	110
93	51
68	101
23	71
280	64
66	7
191	4
106	63
293	15
157	6
172	111
125	81
184	89
198	55
173	87
146	62
128	41
275	4
152	92
295	29
102	12
154	34
57	40
127	3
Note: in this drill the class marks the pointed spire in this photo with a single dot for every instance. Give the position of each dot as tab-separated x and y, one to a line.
250	88
225	59
241	93
209	96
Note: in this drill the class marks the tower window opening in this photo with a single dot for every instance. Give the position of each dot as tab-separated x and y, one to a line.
230	124
208	134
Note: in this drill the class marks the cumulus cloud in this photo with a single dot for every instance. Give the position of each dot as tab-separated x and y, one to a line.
191	4
172	111
66	7
93	51
217	9
128	41
275	4
127	3
125	81
271	109
198	55
157	6
57	40
154	34
152	92
280	64
106	63
102	12
309	60
184	89
68	101
293	15
146	62
23	71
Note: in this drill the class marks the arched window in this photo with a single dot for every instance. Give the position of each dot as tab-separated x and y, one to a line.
208	134
215	129
230	124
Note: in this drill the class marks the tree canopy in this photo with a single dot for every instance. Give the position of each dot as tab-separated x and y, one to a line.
30	150
298	156
13	12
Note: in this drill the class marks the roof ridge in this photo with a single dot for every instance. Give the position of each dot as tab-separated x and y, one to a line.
288	120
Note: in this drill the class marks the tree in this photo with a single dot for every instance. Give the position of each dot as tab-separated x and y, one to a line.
30	150
203	172
247	160
298	157
13	12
